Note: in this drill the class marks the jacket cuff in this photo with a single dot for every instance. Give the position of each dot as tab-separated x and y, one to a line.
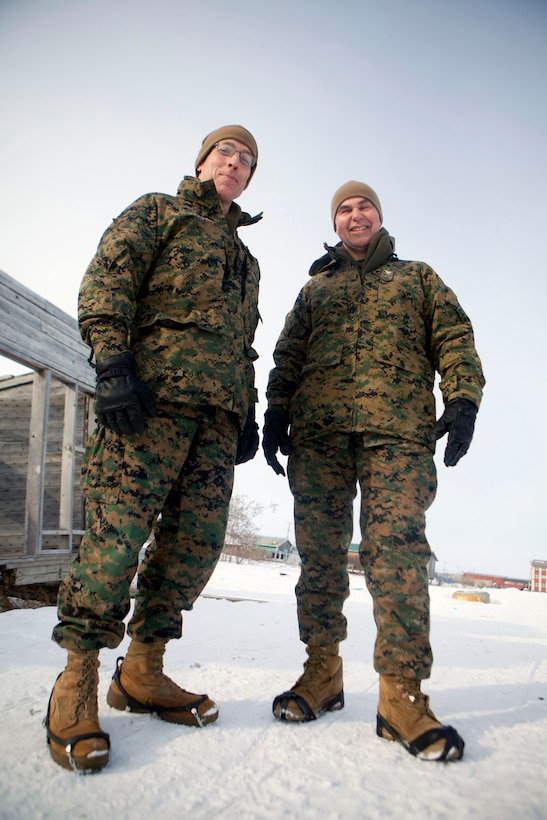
107	340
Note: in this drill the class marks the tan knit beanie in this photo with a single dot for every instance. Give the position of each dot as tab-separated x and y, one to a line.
350	189
227	132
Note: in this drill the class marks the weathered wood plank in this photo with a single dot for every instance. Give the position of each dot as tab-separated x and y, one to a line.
40	570
36	463
36	333
67	458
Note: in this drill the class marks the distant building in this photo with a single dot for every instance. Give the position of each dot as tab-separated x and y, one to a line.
476	579
538	576
277	549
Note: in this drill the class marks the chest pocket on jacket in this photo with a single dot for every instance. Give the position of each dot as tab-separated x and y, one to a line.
400	336
329	308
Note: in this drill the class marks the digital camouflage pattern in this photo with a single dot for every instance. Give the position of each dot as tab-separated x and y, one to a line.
128	481
354	367
172	282
398	484
359	351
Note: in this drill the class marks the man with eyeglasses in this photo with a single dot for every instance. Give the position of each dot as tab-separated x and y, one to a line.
169	307
354	372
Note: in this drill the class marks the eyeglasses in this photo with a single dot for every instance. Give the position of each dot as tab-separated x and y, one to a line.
228	150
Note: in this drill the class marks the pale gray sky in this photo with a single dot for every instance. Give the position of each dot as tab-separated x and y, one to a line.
440	106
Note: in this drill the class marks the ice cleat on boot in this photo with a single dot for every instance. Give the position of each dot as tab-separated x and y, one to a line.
75	738
319	689
139	685
404	716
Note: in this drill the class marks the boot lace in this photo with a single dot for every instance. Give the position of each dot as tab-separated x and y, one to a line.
314	662
86	698
419	701
156	665
315	667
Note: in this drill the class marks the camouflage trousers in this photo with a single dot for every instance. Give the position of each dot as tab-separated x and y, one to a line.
181	467
398	483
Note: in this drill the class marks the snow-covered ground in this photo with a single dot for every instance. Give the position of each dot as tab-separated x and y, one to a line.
241	646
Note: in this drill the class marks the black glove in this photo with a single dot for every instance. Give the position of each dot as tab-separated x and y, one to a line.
275	436
121	397
247	444
458	420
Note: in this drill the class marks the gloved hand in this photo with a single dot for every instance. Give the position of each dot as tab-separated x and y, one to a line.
120	396
458	420
247	444
275	436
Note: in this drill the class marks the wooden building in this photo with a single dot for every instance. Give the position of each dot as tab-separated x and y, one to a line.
45	418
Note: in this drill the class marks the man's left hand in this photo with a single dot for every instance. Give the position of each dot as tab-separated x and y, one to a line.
247	444
458	420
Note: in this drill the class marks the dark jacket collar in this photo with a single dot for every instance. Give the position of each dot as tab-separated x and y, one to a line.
204	195
380	251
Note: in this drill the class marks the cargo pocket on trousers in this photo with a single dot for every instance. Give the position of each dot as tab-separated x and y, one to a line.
102	466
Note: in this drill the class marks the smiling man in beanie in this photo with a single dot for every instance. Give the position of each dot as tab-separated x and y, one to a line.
354	371
169	307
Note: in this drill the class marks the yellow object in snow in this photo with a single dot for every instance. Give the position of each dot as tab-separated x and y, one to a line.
479	596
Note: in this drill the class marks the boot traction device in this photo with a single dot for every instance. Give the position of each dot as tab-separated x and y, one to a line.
122	700
320	688
282	701
404	715
418	746
93	761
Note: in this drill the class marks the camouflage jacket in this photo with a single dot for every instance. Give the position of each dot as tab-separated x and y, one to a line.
359	352
172	281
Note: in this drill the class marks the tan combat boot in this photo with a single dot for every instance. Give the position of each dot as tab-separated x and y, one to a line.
404	715
75	739
319	689
139	685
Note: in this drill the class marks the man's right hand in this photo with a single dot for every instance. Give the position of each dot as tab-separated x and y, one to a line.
275	436
120	396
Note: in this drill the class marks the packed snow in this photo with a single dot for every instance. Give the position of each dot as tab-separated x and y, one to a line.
241	646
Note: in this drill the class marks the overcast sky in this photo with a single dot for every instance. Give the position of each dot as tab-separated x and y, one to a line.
440	106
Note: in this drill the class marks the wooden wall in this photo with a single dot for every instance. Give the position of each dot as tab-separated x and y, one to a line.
45	418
